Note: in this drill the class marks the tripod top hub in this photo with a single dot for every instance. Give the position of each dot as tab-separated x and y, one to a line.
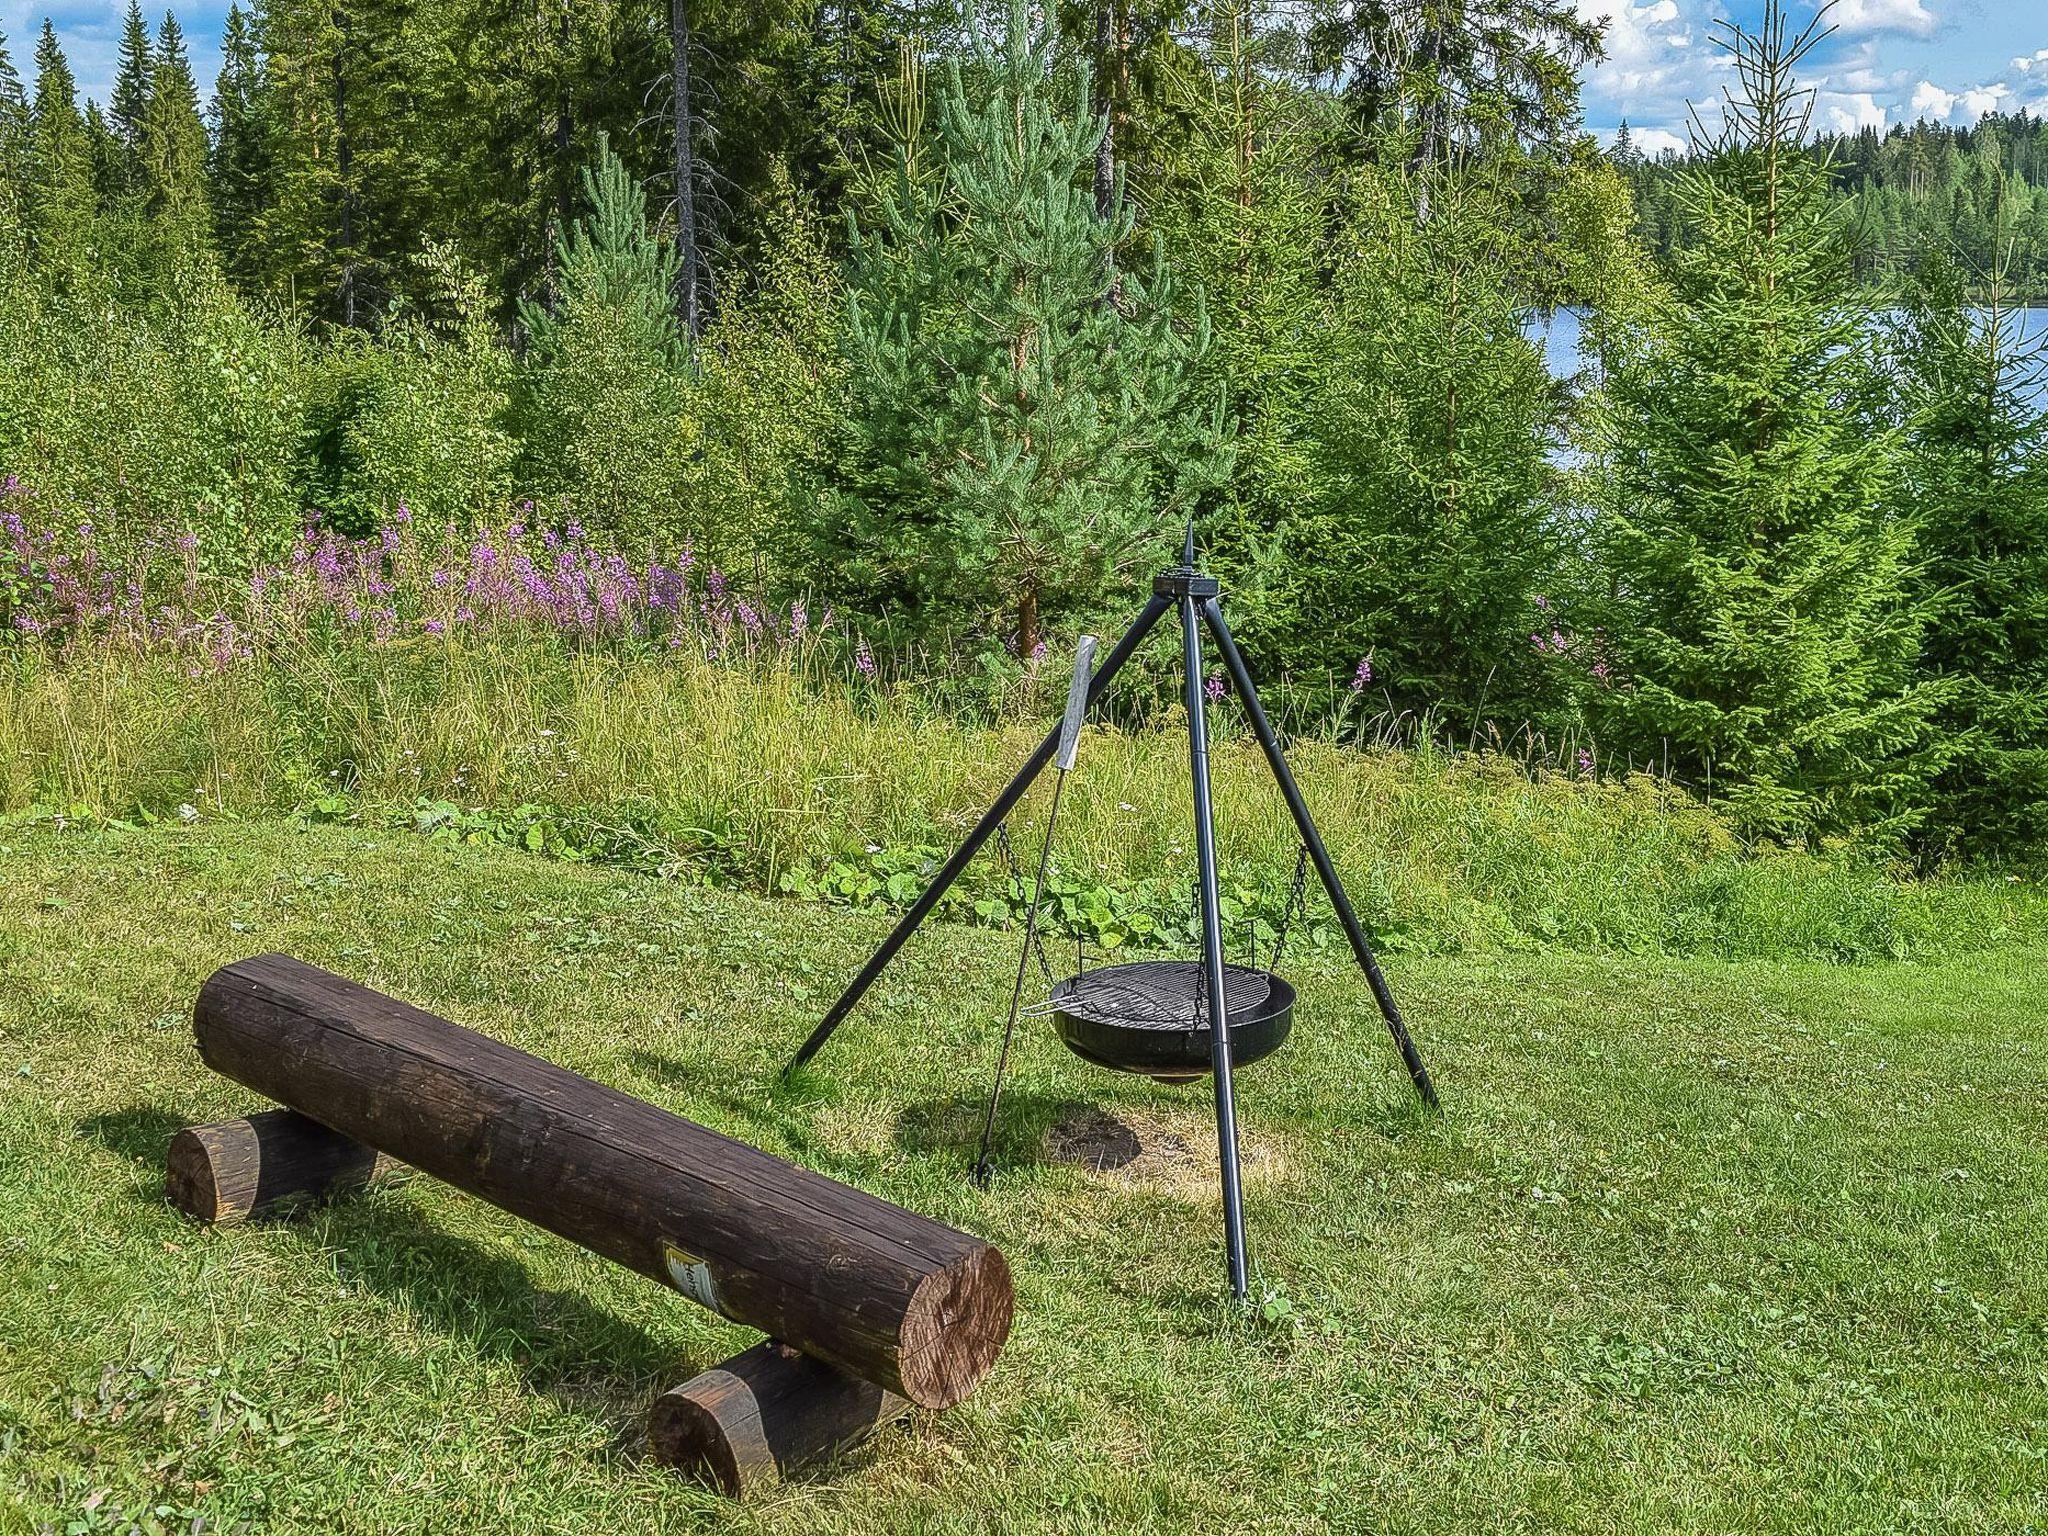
1178	581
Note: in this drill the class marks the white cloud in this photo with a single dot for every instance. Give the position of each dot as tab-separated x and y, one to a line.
1652	68
1852	18
1655	141
2026	62
1847	111
1964	105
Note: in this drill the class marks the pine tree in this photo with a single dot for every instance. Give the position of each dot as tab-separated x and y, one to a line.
1977	482
171	148
1019	440
59	165
1758	633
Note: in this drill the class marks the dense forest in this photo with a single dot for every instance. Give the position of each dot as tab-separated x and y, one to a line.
952	321
1911	190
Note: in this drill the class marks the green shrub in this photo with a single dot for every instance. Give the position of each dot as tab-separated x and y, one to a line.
186	417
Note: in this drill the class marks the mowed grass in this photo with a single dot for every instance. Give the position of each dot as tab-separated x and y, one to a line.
1695	1246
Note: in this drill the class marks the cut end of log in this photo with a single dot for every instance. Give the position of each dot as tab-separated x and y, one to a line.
190	1181
956	1325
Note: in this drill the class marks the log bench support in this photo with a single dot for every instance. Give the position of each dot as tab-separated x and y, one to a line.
875	1307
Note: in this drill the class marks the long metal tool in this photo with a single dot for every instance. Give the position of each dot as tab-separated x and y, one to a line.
1121	652
1063	762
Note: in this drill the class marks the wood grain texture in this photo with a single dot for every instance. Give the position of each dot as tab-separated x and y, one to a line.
237	1170
745	1425
890	1296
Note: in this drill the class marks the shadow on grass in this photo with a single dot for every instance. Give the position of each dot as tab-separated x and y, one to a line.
784	1115
142	1132
951	1127
598	1366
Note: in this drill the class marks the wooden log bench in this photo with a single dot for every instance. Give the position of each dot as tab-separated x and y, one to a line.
872	1307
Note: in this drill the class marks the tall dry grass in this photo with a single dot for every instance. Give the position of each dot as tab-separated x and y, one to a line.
762	768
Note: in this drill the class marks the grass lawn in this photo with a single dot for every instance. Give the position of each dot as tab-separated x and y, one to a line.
1696	1246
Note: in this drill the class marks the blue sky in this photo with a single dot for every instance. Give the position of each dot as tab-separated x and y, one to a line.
1890	61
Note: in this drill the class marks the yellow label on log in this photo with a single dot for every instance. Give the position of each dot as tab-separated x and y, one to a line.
692	1276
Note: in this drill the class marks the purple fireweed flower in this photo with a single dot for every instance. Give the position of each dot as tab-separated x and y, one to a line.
799	620
1362	676
1601	671
1557	642
402	513
1214	687
863	658
1038	651
1542	602
1585	761
433	626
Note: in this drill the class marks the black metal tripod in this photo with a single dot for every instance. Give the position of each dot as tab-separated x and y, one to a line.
1196	596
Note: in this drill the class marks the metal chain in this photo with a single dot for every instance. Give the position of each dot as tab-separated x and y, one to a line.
1296	899
1016	877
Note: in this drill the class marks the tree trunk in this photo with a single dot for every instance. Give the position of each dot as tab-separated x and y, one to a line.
1433	116
684	170
1027	623
346	247
1105	111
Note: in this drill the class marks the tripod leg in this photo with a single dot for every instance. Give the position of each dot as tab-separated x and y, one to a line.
1212	949
1248	694
920	909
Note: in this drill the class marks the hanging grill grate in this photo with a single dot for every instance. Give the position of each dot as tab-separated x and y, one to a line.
1152	1016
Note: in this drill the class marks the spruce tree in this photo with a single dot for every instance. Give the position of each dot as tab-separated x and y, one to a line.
130	98
1021	439
1977	482
239	163
171	148
1430	537
604	391
59	165
13	101
13	154
1758	633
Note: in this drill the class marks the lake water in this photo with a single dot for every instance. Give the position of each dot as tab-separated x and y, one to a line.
1560	333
